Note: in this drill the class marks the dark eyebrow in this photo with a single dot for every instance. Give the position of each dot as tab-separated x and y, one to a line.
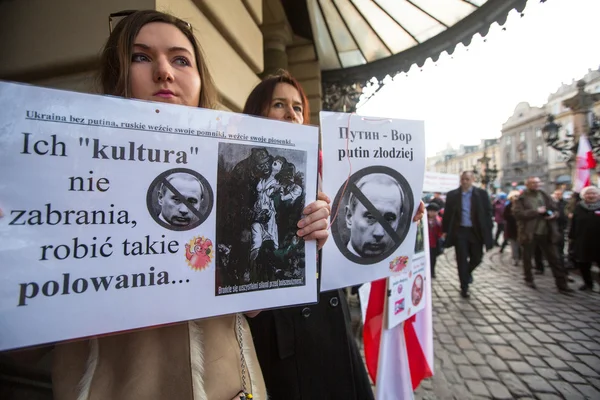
171	49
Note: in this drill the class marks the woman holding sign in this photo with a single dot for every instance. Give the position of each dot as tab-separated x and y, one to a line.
304	352
153	56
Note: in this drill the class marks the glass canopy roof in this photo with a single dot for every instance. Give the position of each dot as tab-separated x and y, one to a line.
354	32
359	39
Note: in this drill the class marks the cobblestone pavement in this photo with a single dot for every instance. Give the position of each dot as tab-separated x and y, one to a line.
509	341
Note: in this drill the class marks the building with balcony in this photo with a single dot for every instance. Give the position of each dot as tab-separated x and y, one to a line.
524	151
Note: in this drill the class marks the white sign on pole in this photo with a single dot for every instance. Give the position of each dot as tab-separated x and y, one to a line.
373	168
406	288
121	214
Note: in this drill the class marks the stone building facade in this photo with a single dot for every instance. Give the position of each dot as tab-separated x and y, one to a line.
559	167
525	152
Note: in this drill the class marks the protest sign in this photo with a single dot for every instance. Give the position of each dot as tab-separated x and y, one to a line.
406	287
373	168
121	214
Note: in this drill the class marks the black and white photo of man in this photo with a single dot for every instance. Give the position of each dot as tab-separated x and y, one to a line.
177	205
368	237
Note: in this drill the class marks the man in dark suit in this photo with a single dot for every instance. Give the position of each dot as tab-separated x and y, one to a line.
467	224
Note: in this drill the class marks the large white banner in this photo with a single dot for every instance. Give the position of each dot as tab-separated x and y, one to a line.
373	168
121	214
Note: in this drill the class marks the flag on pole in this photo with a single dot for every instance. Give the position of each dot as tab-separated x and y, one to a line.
398	359
374	325
585	162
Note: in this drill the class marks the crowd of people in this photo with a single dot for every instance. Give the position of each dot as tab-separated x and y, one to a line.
560	230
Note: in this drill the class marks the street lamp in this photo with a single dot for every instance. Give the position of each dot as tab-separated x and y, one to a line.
489	174
586	122
566	146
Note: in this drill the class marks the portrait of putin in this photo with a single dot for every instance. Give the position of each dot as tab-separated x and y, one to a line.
179	207
368	238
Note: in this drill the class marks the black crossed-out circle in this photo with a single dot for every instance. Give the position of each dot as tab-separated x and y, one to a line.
340	231
202	213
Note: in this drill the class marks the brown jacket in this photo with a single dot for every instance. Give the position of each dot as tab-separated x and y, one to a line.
196	360
525	212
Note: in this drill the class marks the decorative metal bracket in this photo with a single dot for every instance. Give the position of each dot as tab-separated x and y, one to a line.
341	97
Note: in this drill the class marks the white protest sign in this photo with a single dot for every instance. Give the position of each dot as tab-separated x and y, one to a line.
373	170
440	182
121	214
407	286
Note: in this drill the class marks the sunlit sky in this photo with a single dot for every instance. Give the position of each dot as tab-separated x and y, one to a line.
466	97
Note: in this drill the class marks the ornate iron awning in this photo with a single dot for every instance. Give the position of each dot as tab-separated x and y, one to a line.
357	40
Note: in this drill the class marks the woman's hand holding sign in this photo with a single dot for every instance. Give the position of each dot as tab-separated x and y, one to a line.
420	212
314	225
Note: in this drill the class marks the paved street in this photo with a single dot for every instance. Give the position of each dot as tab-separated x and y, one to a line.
509	341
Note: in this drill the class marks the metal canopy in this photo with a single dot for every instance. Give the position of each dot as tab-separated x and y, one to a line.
357	40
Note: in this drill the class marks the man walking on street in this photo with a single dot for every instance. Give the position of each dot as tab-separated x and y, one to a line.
467	224
537	215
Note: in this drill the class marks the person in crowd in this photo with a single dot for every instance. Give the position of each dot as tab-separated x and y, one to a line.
569	209
154	56
584	234
499	204
305	352
562	222
536	215
435	235
467	223
438	200
510	228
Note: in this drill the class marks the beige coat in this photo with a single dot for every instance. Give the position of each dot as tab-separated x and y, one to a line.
197	360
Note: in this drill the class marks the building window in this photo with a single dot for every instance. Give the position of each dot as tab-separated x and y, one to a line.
508	140
556	108
538	133
540	152
522	136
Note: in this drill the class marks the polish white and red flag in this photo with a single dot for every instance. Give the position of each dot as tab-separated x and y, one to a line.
585	163
397	359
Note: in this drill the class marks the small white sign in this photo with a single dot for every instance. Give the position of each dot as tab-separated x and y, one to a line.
122	214
407	287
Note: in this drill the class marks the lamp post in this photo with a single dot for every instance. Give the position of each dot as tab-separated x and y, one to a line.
489	174
585	122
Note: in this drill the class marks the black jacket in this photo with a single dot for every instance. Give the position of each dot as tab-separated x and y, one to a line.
309	352
563	219
584	234
510	223
481	216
